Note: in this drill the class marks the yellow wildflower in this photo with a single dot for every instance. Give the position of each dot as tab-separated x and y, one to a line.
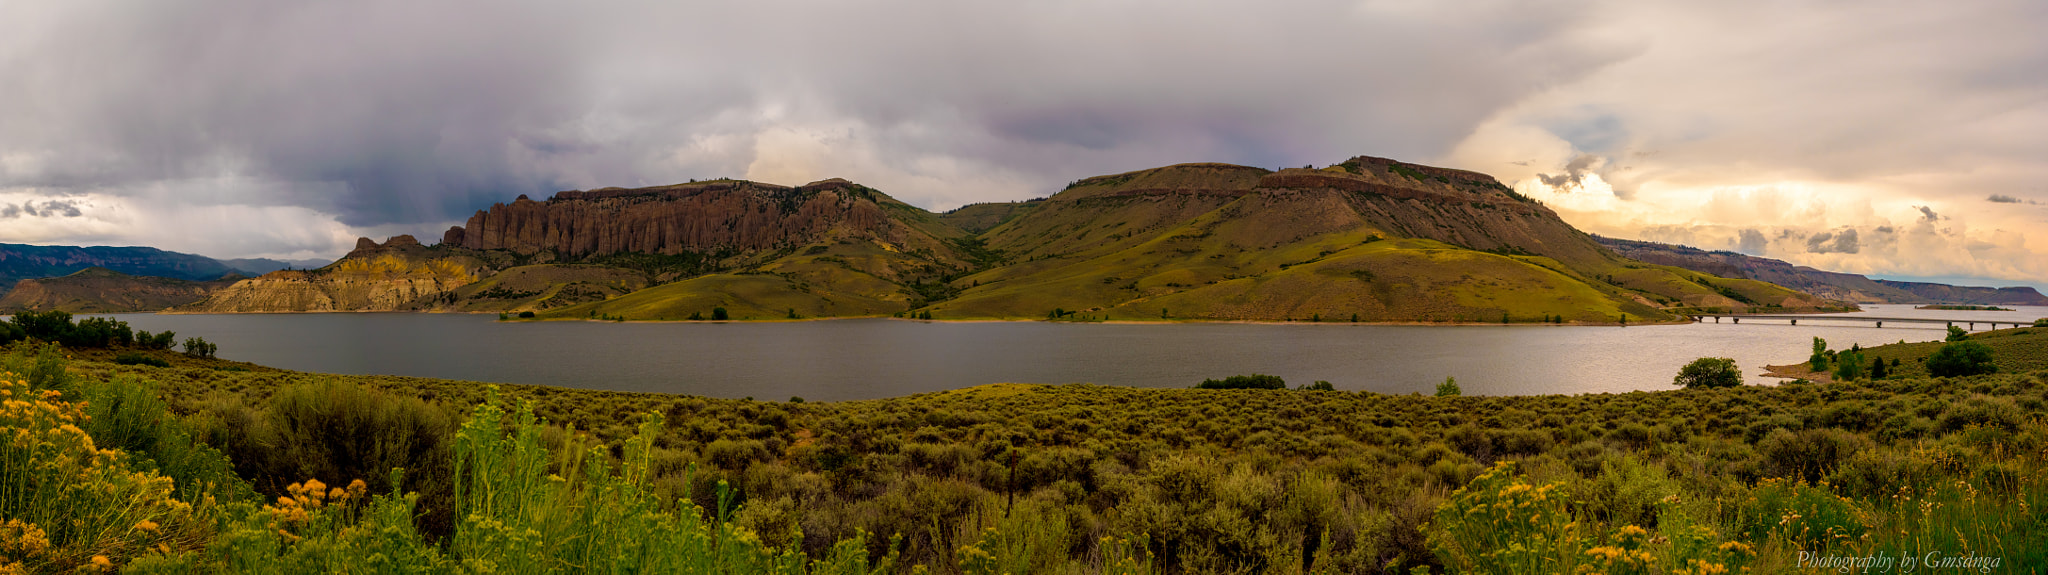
146	525
102	563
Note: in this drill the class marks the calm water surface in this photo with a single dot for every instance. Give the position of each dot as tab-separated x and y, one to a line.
874	358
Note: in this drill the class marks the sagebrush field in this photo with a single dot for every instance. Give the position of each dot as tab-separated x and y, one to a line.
209	465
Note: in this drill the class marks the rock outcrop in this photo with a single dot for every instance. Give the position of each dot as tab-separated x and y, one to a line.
398	274
695	217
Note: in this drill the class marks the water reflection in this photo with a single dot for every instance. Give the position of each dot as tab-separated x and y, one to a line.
871	358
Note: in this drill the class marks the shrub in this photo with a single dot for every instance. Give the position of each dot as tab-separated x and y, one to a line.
1709	372
1957	334
1448	388
1819	360
136	358
719	314
526	315
1960	359
1802	512
1253	381
1808	454
1319	385
2043	322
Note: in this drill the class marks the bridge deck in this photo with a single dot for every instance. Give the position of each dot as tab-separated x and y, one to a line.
1738	317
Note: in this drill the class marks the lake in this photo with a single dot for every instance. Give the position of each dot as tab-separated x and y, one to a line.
875	358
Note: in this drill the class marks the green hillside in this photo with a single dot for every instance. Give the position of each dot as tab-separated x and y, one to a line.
1372	239
1368	239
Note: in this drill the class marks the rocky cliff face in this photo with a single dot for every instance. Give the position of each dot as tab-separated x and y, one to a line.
695	217
396	275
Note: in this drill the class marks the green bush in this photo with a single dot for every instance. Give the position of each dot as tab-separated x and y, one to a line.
1957	334
1961	359
1448	388
1253	381
1810	515
1708	372
1807	454
137	358
719	314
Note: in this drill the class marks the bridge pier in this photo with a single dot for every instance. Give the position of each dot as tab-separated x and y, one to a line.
1880	324
1736	319
1795	322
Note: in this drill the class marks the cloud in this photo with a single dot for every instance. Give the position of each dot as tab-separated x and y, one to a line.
47	209
1750	241
1575	172
2003	199
383	116
386	113
1842	242
1796	131
1927	214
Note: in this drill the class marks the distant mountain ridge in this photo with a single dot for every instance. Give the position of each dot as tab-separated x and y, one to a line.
22	261
101	290
1369	239
1832	285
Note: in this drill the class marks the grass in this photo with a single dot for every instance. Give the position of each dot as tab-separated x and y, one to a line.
545	286
1087	479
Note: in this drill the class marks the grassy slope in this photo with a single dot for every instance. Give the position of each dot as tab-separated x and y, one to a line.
1256	256
546	286
839	279
2018	350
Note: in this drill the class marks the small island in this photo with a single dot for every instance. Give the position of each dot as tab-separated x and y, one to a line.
1964	307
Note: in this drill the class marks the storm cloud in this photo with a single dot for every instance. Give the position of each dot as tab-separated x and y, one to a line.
386	112
46	209
1575	172
287	128
1840	242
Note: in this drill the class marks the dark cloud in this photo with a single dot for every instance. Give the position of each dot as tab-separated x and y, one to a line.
1927	214
2003	199
394	112
1884	229
47	209
1574	176
1841	242
1752	242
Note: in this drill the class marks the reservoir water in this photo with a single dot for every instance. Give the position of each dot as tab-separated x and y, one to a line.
875	358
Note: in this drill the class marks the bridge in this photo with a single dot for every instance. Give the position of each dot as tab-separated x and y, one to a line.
1880	321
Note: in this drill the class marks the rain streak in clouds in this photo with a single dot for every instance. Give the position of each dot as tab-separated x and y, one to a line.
247	128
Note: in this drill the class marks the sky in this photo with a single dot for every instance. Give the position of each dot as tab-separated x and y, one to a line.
1890	138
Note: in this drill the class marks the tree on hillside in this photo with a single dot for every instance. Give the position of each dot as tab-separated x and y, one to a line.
1448	388
1961	358
1709	372
1819	360
719	314
1849	364
1957	334
1878	370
